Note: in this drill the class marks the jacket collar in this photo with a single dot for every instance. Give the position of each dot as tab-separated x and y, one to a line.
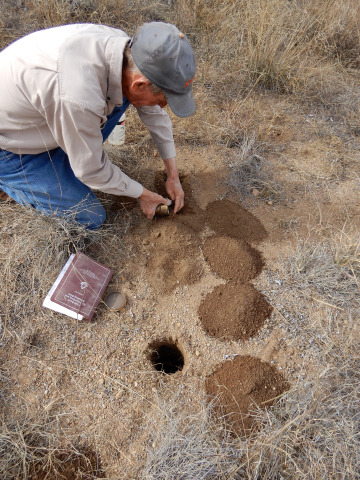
114	57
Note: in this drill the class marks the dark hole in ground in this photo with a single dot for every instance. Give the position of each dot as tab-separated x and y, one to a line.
166	357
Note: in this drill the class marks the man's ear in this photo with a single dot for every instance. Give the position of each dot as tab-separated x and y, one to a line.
139	83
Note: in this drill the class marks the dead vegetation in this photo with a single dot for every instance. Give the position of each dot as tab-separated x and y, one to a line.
304	55
330	267
30	448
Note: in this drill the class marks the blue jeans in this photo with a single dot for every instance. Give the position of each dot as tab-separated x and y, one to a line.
46	182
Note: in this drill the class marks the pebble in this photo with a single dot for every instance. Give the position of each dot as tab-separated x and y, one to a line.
119	394
255	192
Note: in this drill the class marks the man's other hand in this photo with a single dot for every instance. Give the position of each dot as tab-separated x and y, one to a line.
173	184
149	201
175	192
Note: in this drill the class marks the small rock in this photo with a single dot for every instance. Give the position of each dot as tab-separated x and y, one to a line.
255	192
270	202
197	353
119	394
101	381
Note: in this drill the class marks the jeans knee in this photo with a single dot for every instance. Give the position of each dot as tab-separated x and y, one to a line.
95	218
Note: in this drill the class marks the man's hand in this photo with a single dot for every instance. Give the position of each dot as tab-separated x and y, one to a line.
149	201
175	192
173	184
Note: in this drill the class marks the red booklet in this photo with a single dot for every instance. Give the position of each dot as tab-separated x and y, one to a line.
79	288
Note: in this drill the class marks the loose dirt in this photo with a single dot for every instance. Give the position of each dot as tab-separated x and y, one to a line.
242	385
173	256
84	465
232	259
229	218
231	311
234	311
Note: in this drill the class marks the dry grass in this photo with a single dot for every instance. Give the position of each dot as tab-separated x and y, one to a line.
188	447
26	443
330	268
36	247
34	448
314	435
315	432
245	49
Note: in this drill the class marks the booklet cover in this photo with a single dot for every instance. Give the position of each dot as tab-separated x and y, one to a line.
78	289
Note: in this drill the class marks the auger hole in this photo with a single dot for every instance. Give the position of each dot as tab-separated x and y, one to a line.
166	357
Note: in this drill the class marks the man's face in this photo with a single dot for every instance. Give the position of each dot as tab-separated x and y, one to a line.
144	97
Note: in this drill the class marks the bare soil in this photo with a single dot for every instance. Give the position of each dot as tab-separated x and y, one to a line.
208	281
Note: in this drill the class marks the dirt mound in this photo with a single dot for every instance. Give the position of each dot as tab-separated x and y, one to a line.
228	218
242	385
69	466
173	256
232	259
234	311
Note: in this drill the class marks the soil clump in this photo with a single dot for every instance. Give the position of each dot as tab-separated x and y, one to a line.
234	312
243	385
69	466
228	218
232	259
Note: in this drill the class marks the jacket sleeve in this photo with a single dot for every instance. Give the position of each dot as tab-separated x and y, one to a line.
159	124
77	131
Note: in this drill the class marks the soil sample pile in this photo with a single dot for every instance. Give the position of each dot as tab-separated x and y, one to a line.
234	312
228	218
84	465
243	385
232	259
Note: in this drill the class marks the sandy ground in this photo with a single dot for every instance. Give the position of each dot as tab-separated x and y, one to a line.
206	284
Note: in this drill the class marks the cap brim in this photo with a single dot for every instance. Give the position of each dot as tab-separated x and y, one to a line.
182	105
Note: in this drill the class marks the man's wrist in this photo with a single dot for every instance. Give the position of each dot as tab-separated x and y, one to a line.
171	169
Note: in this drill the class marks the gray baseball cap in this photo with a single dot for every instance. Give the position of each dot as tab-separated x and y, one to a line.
163	54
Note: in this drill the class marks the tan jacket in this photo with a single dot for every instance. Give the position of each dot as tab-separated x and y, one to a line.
56	88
